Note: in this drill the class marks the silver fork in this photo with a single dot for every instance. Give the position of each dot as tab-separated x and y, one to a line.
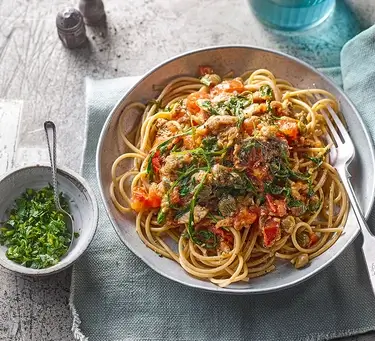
345	152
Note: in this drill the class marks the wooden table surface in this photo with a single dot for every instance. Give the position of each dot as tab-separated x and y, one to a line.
40	80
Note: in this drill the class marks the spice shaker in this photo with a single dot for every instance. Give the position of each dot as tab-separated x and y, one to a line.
92	11
71	28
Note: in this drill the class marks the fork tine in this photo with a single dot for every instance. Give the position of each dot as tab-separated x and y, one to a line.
332	129
337	120
329	139
340	126
344	133
333	149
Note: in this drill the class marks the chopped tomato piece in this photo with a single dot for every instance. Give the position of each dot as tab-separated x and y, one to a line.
270	203
139	197
223	234
191	102
289	127
141	200
244	218
176	140
178	113
250	124
313	239
188	142
271	231
156	162
276	206
229	86
205	70
154	198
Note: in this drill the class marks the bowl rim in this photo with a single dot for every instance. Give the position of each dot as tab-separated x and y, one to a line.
63	171
228	290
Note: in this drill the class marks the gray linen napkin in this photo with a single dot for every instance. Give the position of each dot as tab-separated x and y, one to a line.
117	297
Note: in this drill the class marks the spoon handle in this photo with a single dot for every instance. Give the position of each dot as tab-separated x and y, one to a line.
50	128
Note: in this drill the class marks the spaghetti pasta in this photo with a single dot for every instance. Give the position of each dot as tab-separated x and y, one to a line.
235	172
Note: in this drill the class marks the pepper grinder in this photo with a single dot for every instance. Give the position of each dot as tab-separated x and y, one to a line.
70	28
92	11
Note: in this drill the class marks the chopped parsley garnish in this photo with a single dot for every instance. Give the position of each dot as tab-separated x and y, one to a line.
205	238
184	187
181	212
317	160
161	217
292	202
236	105
149	168
35	233
274	189
314	205
207	105
210	144
310	191
266	91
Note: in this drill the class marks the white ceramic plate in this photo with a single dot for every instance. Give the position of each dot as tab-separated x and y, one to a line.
239	59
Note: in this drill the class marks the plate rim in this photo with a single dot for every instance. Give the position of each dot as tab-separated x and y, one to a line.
229	290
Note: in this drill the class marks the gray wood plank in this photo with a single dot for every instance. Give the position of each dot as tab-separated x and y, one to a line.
10	113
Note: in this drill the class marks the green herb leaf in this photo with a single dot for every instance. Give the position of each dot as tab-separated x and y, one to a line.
149	168
207	106
274	189
210	143
314	205
205	238
212	217
36	234
310	192
299	176
317	160
181	212
292	202
266	91
161	217
185	190
190	228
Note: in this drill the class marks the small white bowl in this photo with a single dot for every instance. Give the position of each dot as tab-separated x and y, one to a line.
82	203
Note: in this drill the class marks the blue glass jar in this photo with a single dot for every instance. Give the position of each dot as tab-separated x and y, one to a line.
292	15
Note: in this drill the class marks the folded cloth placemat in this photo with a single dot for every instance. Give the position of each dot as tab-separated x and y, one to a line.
115	296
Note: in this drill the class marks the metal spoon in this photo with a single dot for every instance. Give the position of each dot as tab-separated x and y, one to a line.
49	126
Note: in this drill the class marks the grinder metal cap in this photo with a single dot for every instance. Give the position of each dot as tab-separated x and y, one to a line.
69	19
71	28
